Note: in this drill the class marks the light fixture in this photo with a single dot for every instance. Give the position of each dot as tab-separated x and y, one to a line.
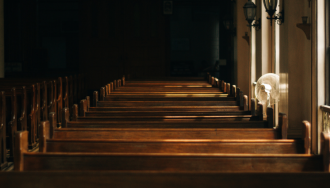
270	6
250	14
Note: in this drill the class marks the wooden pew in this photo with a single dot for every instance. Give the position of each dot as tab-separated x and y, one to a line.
39	100
168	97
170	162
28	103
19	117
167	84
64	91
164	103
170	112
176	140
50	143
168	123
164	88
164	113
246	121
165	133
211	146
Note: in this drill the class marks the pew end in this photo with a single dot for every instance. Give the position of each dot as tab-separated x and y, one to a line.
118	83
95	98
44	134
111	87
75	112
83	107
238	98
307	136
228	89
245	103
241	99
224	87
123	80
52	124
216	84
107	88
283	125
114	84
21	147
65	117
102	93
88	101
233	90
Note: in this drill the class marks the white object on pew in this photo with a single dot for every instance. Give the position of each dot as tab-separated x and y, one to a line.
267	89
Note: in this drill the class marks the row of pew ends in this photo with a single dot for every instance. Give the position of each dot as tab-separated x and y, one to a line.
24	103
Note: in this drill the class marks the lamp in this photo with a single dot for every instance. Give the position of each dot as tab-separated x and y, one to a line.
250	14
270	6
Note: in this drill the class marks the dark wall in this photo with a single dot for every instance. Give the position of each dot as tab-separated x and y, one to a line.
199	39
41	37
105	39
194	38
122	37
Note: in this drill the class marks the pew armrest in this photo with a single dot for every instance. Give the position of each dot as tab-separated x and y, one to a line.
44	134
307	136
21	147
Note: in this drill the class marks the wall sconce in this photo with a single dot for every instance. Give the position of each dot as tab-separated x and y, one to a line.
306	27
270	6
250	14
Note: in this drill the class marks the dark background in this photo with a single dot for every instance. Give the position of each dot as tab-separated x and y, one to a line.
105	39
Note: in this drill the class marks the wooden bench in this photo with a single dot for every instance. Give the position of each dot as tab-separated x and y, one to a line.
158	144
35	101
201	132
20	117
168	97
140	154
28	102
164	117
171	162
